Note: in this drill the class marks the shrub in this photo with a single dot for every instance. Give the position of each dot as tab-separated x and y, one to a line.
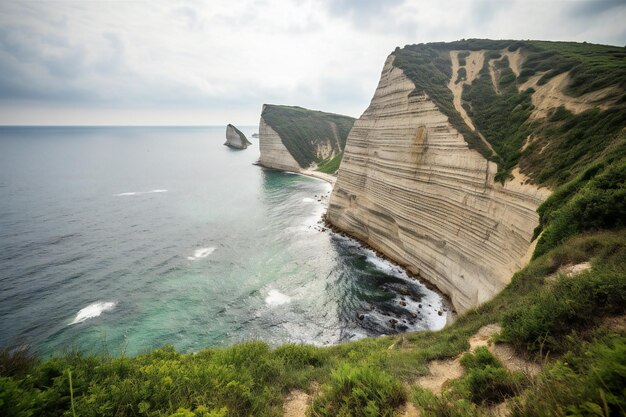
16	362
359	391
485	379
571	304
581	384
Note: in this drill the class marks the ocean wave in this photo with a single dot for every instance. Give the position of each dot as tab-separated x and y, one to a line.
129	193
276	298
201	253
308	200
93	310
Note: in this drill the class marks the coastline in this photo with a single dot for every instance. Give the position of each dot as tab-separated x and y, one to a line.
449	308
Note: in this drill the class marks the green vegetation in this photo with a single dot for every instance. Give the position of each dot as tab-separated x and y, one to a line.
594	200
331	166
486	382
588	381
501	117
564	144
303	131
359	391
592	67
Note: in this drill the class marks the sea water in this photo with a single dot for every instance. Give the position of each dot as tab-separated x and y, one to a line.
127	239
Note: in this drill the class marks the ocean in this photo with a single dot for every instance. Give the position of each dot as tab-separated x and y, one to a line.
123	239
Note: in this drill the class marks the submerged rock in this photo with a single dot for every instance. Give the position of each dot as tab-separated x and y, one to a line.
235	138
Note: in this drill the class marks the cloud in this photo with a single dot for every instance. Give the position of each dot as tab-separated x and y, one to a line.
587	8
195	57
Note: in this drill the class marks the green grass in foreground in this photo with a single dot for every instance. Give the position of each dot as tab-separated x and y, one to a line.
561	316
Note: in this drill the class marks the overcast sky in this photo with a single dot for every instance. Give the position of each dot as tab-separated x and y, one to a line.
217	62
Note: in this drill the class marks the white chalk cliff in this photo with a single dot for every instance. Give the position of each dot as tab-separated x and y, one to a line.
410	187
274	154
235	138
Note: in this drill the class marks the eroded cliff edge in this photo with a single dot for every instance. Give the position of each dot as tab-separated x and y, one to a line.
411	187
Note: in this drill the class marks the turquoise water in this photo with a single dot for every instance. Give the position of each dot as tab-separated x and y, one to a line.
131	238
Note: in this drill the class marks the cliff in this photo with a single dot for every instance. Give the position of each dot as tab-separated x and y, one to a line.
235	138
428	181
296	139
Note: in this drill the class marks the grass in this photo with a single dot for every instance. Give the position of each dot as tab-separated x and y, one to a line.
332	165
303	130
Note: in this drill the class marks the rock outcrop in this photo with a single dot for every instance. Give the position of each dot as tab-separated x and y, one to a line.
297	139
235	138
410	187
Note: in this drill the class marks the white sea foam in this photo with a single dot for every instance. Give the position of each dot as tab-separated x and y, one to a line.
139	192
93	310
308	200
381	264
201	253
276	298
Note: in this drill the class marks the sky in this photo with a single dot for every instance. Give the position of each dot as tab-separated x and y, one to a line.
191	62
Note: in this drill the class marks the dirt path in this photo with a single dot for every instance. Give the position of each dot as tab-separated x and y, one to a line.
442	372
473	64
296	404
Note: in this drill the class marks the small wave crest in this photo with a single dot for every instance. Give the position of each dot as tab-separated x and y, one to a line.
308	200
201	253
129	193
276	298
93	310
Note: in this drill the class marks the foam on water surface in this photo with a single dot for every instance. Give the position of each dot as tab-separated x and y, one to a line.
93	310
201	253
276	298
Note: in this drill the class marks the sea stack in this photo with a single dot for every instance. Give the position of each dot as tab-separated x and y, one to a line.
235	138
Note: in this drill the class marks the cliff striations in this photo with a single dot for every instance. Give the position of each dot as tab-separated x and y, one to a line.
235	138
410	186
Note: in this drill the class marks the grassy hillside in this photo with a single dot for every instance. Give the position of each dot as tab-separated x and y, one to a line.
303	131
563	144
574	326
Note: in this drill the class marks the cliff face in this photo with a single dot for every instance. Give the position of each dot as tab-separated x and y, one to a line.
235	138
274	154
410	186
294	139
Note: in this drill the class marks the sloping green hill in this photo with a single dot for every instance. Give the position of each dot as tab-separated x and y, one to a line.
310	136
